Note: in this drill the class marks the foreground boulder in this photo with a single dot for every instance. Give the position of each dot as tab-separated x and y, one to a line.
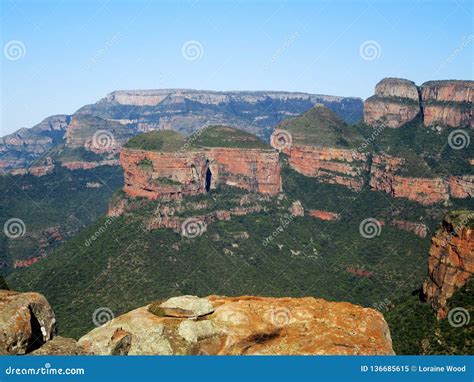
249	325
60	346
26	322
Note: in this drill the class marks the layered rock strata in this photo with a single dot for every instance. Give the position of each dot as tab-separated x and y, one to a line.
451	260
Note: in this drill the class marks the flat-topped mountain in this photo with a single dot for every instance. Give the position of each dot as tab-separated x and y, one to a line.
125	113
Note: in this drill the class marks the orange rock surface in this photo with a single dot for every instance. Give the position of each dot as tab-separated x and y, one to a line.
329	165
425	191
323	215
250	325
171	175
450	262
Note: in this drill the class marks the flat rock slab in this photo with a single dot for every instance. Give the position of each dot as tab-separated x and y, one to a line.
187	306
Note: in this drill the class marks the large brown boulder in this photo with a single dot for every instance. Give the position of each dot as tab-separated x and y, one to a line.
26	322
251	325
60	346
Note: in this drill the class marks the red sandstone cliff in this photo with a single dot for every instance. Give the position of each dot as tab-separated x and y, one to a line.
448	103
395	102
425	191
171	175
329	165
443	103
451	260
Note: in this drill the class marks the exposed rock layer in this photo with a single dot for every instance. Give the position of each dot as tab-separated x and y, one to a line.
252	325
172	175
450	262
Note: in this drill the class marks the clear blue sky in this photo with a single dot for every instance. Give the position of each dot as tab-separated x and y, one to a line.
78	51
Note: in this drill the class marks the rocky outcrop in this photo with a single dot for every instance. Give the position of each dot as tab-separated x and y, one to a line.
250	325
461	187
26	322
383	177
171	175
60	346
324	215
448	103
441	103
451	260
418	229
396	102
297	208
329	165
83	165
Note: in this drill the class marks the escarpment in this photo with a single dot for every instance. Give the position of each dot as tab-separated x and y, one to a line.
173	172
451	260
441	103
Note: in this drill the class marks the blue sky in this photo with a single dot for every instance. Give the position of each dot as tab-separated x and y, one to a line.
71	53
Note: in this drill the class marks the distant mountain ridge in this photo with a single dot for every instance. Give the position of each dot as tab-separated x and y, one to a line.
126	113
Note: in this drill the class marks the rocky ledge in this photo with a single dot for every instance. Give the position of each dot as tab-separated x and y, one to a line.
451	259
216	325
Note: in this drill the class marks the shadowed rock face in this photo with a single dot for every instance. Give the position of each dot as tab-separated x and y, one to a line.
451	260
26	322
252	325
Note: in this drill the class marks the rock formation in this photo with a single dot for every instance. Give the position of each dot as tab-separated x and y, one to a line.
172	174
329	165
26	322
250	325
396	101
324	215
383	177
451	260
441	103
448	103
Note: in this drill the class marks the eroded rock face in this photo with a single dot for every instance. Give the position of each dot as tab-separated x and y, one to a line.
443	103
425	191
461	186
324	215
418	229
329	165
60	346
26	322
450	262
396	102
171	175
252	325
448	103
